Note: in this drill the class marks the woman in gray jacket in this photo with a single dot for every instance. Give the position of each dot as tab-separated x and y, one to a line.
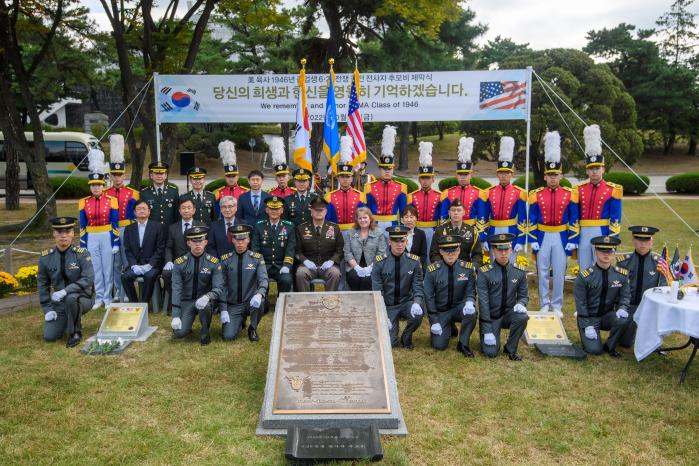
364	242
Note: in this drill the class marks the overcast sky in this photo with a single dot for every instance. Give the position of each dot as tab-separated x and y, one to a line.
541	23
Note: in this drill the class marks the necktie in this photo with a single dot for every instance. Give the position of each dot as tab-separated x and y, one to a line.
503	300
639	280
450	286
160	192
255	203
186	227
229	233
240	278
318	231
63	269
195	279
603	298
198	198
396	277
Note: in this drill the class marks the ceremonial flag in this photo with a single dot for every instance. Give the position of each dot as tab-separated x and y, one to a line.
663	267
302	139
331	136
355	127
676	264
505	95
687	271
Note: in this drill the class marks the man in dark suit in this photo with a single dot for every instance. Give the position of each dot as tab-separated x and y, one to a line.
220	239
144	244
176	245
251	205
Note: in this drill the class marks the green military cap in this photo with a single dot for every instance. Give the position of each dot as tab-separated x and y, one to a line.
196	233
63	223
319	203
643	232
501	240
158	167
241	231
196	172
397	232
302	174
274	202
605	243
449	242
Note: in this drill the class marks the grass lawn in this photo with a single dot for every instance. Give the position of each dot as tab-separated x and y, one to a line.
168	402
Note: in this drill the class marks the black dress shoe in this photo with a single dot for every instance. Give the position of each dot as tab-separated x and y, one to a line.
205	340
74	340
513	356
252	334
465	350
409	345
614	353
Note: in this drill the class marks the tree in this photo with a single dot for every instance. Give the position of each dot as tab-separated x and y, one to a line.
37	38
678	32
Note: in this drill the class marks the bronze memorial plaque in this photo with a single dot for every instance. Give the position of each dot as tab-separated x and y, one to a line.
330	359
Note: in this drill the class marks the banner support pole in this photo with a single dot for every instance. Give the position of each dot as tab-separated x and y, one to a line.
527	161
157	115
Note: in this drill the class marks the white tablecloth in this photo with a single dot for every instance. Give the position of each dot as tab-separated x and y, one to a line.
657	317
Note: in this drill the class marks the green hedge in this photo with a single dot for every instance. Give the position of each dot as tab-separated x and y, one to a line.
476	181
631	184
75	188
215	184
685	183
520	182
412	185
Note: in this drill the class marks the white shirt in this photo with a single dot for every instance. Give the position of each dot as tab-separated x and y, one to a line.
189	222
141	231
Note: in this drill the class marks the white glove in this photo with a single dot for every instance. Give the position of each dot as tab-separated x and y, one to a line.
57	296
137	269
436	329
590	333
225	318
390	325
176	323
146	268
485	247
622	314
535	246
489	339
519	308
518	247
367	270
571	246
168	266
415	310
469	308
51	315
309	265
256	300
326	265
202	302
284	270
359	270
115	249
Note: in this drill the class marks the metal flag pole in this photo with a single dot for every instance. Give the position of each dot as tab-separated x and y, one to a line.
527	161
156	89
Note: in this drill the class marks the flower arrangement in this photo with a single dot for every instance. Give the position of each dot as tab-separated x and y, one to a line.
486	258
7	283
27	276
523	261
575	270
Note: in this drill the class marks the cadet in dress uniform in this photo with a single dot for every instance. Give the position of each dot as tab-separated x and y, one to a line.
343	202
426	200
398	276
230	170
319	249
506	207
275	239
599	201
386	197
470	250
296	206
99	229
472	197
450	294
642	265
503	296
204	201
246	286
197	285
602	299
553	226
281	169
126	198
163	199
67	270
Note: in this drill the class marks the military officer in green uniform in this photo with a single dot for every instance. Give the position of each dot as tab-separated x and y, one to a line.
642	265
297	206
246	285
456	226
68	271
163	199
204	201
450	294
398	276
197	285
275	239
503	296
602	299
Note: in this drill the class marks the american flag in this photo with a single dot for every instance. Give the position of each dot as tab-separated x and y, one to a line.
355	127
503	95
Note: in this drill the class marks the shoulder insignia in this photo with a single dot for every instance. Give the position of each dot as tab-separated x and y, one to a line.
622	257
486	267
566	188
414	257
212	259
466	264
180	260
46	252
79	250
256	255
288	223
655	256
621	270
261	221
586	273
226	256
519	266
379	258
433	266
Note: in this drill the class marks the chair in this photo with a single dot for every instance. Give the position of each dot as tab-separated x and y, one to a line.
155	297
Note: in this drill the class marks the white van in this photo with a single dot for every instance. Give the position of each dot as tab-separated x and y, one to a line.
64	150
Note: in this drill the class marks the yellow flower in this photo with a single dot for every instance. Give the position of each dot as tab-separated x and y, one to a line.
27	275
523	261
7	281
575	270
486	258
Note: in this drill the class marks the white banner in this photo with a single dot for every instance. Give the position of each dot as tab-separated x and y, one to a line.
409	96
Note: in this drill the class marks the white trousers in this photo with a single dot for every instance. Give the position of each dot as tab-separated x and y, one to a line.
100	247
586	252
551	255
119	262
